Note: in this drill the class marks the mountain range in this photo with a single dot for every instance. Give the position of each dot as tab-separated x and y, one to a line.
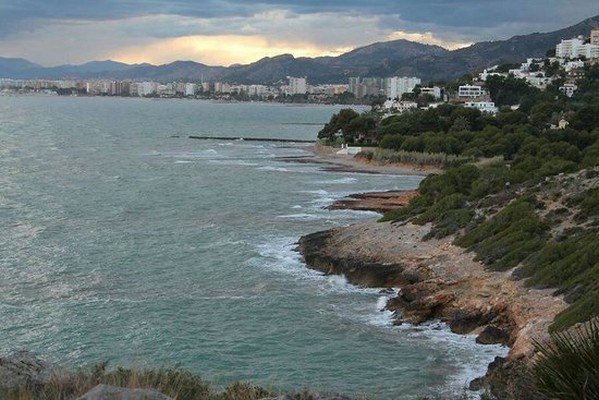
393	58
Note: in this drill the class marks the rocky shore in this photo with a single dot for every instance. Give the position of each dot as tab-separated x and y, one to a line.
437	280
374	201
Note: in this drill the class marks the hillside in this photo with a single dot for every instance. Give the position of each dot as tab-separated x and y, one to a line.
399	57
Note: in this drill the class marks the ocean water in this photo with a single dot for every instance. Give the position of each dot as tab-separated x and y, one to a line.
124	241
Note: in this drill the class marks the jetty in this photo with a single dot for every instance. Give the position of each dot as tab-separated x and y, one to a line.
252	139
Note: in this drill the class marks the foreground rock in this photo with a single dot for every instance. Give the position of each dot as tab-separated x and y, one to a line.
314	396
24	369
438	281
107	392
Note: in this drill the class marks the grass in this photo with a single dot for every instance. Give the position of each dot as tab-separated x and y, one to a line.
388	156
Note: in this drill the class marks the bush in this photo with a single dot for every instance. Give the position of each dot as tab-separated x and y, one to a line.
567	367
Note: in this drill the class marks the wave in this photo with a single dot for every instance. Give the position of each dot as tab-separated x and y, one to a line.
346	180
233	162
302	217
270	168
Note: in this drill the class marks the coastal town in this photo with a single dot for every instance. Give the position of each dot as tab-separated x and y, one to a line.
398	93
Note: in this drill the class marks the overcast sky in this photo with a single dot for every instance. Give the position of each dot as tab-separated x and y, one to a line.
224	32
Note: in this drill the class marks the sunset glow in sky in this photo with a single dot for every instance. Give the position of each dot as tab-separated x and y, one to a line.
224	32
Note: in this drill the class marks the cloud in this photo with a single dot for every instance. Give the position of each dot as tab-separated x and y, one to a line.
73	31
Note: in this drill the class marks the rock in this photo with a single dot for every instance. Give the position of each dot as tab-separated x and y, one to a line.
309	396
466	320
23	368
493	335
357	271
107	392
325	396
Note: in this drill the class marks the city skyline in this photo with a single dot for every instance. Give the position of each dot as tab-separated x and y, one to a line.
219	32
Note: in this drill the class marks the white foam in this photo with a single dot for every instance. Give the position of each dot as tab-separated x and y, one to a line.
233	162
270	168
183	162
339	181
302	217
10	306
296	207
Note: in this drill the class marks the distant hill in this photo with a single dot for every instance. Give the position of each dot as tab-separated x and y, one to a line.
398	57
16	68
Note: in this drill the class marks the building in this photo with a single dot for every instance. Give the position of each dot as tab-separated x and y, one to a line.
568	89
574	48
399	106
396	86
434	91
595	36
222	87
147	88
354	81
470	91
190	89
483	106
297	85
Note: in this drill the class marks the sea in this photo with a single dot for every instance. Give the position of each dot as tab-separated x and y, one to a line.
124	241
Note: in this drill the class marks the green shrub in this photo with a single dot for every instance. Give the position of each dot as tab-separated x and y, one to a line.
567	367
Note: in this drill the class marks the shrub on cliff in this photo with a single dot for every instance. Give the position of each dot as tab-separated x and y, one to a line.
568	366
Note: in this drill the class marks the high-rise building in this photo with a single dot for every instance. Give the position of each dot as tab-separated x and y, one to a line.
396	86
297	85
190	89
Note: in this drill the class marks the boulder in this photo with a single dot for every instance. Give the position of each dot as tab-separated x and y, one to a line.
107	392
23	368
493	335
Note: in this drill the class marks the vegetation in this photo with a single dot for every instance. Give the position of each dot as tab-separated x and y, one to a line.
505	189
178	384
568	365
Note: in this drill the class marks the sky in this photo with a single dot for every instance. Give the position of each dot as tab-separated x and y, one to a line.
225	32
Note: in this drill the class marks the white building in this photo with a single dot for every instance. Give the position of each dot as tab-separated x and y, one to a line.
297	85
540	82
396	86
146	88
470	91
190	89
486	73
399	106
574	48
570	65
568	89
434	91
222	87
483	106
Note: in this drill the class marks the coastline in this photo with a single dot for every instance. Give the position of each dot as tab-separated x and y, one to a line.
438	281
331	161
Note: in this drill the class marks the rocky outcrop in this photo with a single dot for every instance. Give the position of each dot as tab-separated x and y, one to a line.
24	369
359	272
107	392
380	202
437	280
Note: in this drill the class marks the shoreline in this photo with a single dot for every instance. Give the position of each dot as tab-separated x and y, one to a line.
327	156
438	280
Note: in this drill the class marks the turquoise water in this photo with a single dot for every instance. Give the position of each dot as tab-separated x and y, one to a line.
120	242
